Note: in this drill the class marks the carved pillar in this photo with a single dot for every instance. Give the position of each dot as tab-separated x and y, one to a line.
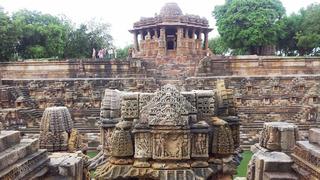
193	33
186	33
179	41
199	42
193	42
155	33
135	40
148	36
206	44
162	42
142	35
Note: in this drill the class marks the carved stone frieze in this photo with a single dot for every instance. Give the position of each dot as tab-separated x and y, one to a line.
171	146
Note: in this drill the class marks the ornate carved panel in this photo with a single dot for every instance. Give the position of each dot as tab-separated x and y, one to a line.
171	146
143	145
200	145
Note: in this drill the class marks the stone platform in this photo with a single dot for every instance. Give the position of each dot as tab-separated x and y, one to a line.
21	158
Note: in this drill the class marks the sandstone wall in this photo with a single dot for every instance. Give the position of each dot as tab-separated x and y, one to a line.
217	66
264	88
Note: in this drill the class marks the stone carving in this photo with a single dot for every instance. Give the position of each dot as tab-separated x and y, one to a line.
200	144
168	107
171	146
56	130
110	105
278	136
130	106
121	140
143	145
222	140
168	135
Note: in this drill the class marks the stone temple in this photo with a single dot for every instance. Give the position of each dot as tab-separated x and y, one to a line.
171	34
171	110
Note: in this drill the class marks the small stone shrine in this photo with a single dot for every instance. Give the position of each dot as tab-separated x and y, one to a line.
56	131
167	135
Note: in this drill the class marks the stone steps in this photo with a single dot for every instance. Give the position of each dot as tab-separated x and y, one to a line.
18	151
26	167
9	139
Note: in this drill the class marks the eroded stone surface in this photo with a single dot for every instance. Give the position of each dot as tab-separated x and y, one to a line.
314	136
279	136
20	159
174	134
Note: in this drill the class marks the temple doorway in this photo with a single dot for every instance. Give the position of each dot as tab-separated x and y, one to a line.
171	38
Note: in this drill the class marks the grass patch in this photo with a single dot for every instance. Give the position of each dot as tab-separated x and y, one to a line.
242	168
92	154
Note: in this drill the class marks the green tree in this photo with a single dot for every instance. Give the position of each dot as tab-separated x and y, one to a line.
287	44
122	53
41	35
249	25
91	35
218	46
8	36
99	34
78	43
308	36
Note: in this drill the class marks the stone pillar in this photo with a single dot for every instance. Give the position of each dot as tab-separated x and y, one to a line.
193	33
187	33
206	43
179	40
199	34
135	40
162	42
193	42
155	33
148	36
142	35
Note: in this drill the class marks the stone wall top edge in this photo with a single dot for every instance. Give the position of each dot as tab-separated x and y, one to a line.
65	62
256	76
71	79
264	58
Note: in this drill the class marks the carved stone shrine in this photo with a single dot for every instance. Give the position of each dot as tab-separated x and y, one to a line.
56	131
168	134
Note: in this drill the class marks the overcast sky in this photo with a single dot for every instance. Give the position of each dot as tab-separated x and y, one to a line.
121	14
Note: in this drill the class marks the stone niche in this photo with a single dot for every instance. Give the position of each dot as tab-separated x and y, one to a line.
167	135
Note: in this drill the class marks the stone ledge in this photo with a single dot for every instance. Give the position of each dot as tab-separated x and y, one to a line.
313	149
66	165
279	176
8	139
26	166
18	151
314	135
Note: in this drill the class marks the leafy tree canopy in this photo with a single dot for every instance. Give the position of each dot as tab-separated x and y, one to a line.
31	34
249	25
8	36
